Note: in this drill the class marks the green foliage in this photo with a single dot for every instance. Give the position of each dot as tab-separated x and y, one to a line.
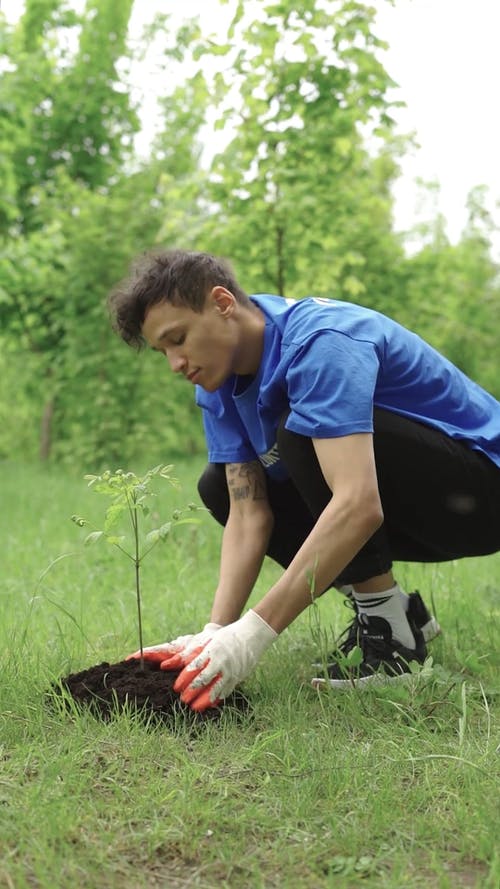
303	92
106	400
74	218
130	496
65	107
299	198
20	391
301	792
454	293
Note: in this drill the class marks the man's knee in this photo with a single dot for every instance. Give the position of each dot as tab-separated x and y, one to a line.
212	488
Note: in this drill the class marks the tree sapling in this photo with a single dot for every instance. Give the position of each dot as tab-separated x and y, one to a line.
130	495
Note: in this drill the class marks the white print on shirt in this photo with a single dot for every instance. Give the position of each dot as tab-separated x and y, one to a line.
322	301
271	457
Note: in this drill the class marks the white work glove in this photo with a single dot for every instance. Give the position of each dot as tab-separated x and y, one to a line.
178	652
227	659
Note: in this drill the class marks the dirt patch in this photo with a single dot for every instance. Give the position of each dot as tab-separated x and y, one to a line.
107	689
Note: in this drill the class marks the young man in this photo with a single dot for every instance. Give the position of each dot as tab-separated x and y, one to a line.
338	442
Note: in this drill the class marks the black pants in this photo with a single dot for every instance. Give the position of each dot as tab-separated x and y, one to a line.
441	500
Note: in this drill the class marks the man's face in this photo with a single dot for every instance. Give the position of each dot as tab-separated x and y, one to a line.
201	346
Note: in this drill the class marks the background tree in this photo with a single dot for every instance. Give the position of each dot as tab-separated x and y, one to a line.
67	120
299	198
452	292
63	96
75	216
302	203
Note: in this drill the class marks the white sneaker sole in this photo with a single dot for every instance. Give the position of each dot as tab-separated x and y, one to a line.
430	630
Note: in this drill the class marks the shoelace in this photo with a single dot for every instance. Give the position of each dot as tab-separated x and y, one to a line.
373	648
349	637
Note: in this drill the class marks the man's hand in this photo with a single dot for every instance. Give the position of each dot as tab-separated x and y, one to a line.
231	655
177	653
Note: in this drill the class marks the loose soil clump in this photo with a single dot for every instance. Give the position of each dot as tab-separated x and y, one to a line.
107	689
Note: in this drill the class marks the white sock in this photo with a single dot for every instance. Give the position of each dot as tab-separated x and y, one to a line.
348	590
404	597
389	604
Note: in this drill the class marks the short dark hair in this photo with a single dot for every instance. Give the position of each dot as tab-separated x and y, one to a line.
177	276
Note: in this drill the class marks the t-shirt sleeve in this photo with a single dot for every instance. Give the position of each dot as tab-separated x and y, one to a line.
226	437
331	381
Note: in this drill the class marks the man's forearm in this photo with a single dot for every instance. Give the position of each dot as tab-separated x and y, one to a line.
244	545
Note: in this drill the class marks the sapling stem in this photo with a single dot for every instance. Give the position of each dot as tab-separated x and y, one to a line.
137	561
132	507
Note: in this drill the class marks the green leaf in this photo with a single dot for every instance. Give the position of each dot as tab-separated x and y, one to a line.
117	541
93	537
218	49
164	531
355	657
159	533
78	520
113	513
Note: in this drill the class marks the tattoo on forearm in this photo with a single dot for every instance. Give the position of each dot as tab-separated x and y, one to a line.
246	481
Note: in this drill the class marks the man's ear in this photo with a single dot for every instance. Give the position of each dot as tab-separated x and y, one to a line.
222	300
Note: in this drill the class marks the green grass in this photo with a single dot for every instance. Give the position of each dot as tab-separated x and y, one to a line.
389	788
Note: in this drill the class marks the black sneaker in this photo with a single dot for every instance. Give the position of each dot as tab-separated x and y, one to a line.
419	618
383	658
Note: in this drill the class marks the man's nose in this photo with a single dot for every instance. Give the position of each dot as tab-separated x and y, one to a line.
176	360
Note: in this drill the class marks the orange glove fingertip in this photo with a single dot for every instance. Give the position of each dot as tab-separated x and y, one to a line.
189	695
203	702
153	657
172	662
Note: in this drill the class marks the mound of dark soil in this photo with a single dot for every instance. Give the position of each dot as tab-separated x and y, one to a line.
107	689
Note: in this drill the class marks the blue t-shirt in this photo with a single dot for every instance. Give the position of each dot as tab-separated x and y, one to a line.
331	362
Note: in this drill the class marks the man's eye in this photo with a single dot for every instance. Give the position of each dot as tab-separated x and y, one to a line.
179	341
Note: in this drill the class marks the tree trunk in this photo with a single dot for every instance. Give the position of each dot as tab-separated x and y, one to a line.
46	429
280	264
